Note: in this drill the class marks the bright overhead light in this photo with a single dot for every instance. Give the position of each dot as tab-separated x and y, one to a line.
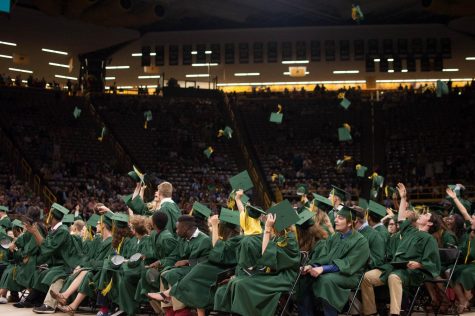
125	87
117	67
422	80
469	58
149	77
208	52
290	83
194	52
140	54
197	76
339	72
287	62
58	65
110	78
204	64
6	56
8	43
151	86
288	73
390	59
65	77
246	74
390	70
376	60
404	70
450	69
54	51
21	70
24	81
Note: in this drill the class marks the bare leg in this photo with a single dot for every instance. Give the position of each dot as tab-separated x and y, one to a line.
201	312
77	301
75	285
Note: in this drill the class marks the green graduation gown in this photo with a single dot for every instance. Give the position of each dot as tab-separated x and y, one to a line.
464	273
195	289
61	253
259	294
419	246
382	230
351	255
196	248
377	246
5	222
161	245
173	212
25	274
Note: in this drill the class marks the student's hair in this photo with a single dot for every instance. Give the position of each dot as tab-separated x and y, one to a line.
160	220
227	230
458	228
436	223
79	225
165	189
308	237
119	234
139	223
188	220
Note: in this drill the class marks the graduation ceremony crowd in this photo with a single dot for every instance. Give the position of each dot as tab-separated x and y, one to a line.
242	261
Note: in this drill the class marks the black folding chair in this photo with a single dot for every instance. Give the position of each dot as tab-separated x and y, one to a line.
288	295
449	258
353	297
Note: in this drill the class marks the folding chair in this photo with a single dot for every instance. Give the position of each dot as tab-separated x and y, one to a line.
449	258
353	297
291	292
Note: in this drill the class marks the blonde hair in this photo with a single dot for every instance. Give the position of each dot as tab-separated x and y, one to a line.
139	224
79	225
165	189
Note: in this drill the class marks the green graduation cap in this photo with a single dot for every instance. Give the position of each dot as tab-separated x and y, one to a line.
229	216
148	115
227	132
306	218
208	152
378	181
285	215
363	203
345	103
103	133
322	202
254	211
121	220
4	208
77	112
376	208
344	134
346	212
17	223
201	210
302	189
136	175
58	210
361	170
457	188
244	199
339	192
389	191
107	218
276	117
127	198
241	181
68	219
93	220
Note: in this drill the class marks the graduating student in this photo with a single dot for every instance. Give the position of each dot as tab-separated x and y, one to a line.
415	259
59	251
335	269
337	197
195	289
5	221
257	291
193	246
7	280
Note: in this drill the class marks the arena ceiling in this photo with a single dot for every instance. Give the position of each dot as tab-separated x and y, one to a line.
172	15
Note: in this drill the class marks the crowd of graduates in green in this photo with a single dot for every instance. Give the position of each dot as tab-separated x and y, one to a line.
242	261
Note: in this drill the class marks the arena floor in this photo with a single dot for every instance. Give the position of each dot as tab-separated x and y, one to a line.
9	310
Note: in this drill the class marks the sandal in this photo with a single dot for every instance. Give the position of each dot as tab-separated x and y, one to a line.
159	297
463	308
58	297
67	309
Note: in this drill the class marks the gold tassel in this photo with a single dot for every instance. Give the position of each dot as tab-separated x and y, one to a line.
279	108
120	245
14	273
48	219
283	243
107	289
145	125
220	133
468	252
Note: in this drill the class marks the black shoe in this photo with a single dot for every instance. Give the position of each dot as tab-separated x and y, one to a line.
24	304
44	309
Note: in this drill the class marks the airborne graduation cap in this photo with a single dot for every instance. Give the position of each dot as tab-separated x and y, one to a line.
285	215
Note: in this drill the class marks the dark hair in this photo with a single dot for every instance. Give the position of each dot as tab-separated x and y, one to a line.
33	214
202	224
187	219
375	218
160	220
119	234
227	230
436	223
458	228
308	237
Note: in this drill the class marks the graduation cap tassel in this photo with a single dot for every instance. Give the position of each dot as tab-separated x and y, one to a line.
220	133
107	289
279	108
145	125
48	219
